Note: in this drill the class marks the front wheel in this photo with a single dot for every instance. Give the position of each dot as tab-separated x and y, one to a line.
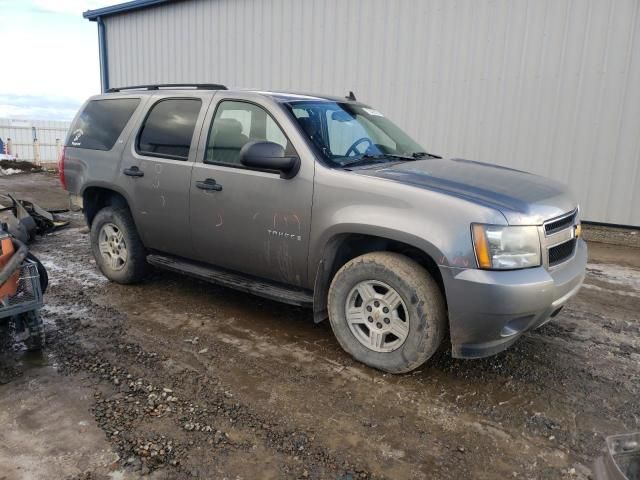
387	311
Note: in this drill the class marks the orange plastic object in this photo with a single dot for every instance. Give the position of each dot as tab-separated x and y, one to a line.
10	287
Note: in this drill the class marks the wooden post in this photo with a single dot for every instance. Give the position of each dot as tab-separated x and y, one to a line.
36	152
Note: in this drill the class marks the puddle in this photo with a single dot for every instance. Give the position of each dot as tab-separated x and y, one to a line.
613	279
73	312
615	274
612	291
34	359
59	271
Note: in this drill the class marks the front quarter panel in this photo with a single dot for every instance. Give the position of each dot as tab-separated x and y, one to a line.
436	223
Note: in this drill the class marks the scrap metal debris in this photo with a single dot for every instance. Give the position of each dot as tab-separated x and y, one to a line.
621	460
27	219
23	280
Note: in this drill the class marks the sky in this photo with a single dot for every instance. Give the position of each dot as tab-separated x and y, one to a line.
49	62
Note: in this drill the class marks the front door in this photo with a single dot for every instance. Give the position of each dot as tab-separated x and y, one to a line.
158	168
247	220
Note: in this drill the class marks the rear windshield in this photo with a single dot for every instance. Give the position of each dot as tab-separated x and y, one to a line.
101	122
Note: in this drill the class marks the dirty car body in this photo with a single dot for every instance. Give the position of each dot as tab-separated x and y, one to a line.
285	233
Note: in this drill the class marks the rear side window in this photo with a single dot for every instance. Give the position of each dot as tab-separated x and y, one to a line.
101	122
168	129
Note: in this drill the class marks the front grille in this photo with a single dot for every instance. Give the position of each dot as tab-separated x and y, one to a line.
562	252
560	224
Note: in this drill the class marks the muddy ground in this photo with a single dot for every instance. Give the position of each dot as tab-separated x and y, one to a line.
175	378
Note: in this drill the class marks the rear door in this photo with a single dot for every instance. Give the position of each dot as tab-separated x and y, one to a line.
254	222
156	170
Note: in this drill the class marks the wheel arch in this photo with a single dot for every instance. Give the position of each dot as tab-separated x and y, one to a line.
96	197
345	246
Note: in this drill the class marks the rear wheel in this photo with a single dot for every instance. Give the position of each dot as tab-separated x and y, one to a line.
387	311
116	246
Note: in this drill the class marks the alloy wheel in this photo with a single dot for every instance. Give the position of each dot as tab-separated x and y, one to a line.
377	316
112	246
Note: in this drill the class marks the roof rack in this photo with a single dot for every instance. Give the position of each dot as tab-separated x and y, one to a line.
196	86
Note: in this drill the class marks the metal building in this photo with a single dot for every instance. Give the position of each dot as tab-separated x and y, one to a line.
38	141
548	86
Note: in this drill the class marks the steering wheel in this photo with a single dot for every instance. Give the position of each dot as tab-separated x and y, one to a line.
356	143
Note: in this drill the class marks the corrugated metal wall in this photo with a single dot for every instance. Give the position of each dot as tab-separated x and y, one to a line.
549	86
23	132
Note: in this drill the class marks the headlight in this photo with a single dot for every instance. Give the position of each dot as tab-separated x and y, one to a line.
506	248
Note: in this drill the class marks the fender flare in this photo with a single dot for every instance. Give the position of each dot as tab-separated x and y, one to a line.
325	263
108	187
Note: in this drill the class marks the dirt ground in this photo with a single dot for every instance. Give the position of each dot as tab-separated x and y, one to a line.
175	378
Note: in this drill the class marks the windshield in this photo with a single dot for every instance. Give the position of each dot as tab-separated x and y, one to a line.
348	133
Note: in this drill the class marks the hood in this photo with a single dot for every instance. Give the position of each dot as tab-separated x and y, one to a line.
523	198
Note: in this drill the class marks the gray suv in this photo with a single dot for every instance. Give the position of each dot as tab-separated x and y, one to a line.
323	202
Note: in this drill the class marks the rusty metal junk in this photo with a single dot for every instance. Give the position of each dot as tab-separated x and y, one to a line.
25	219
621	460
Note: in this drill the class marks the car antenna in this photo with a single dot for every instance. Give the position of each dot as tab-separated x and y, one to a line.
351	96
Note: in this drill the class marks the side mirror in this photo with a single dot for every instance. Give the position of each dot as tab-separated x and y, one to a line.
269	156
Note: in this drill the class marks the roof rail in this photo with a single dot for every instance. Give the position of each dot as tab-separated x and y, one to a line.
197	86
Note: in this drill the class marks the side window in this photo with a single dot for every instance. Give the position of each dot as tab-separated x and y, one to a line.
168	128
101	122
236	123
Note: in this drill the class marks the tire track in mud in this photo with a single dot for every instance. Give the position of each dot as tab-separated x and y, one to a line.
147	430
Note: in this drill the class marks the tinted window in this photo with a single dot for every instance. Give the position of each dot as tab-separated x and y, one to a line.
101	122
168	129
235	124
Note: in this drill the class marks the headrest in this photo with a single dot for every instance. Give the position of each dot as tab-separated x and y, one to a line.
228	134
229	126
308	125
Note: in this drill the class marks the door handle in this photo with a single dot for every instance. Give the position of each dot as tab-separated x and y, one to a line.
209	184
133	172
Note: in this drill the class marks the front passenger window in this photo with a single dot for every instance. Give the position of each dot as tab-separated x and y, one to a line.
234	125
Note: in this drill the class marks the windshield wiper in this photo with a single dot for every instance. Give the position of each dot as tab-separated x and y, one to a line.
424	154
366	158
401	157
361	160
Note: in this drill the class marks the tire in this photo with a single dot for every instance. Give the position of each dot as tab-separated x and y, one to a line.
34	330
420	317
27	328
125	260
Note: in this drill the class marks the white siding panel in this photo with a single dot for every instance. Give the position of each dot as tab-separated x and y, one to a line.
548	86
21	133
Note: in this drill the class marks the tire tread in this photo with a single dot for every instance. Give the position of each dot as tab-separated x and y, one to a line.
427	298
137	267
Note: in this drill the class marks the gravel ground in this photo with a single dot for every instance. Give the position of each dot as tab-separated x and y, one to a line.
626	237
175	378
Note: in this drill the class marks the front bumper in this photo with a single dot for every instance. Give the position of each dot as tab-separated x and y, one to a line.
489	310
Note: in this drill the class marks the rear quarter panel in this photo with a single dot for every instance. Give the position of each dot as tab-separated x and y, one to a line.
85	167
